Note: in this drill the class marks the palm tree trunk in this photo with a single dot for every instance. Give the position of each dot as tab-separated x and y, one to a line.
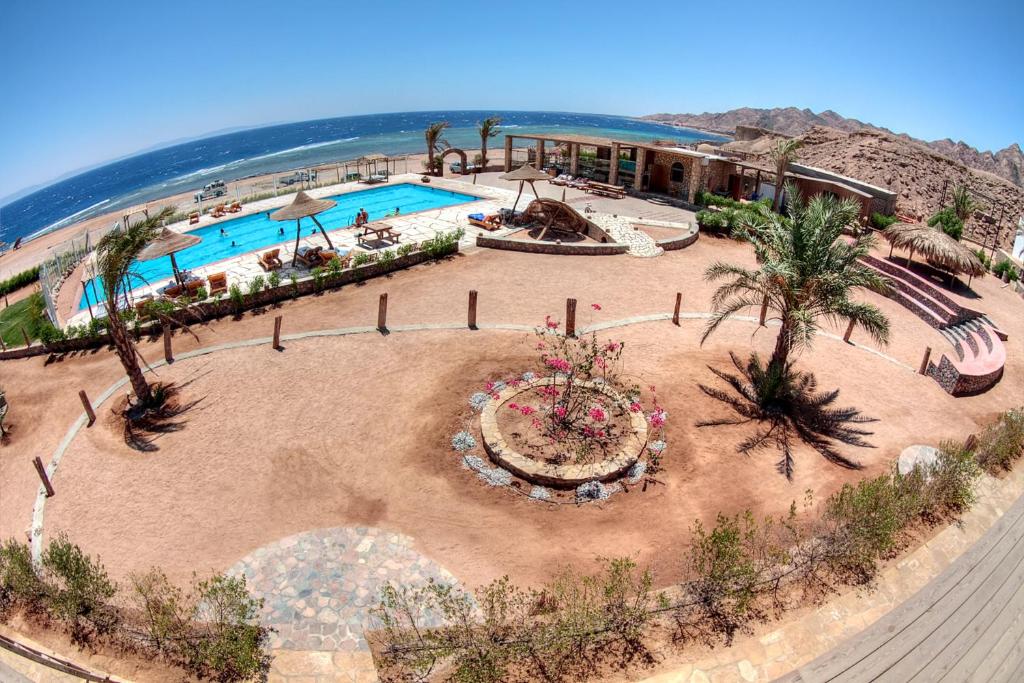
782	345
430	159
129	359
780	175
483	152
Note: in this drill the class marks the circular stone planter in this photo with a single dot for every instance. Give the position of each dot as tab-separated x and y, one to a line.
561	476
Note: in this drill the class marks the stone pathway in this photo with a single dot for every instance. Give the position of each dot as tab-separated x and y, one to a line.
319	586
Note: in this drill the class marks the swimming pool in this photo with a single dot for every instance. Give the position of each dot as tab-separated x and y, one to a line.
257	231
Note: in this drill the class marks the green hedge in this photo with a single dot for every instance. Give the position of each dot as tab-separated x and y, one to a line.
25	277
881	221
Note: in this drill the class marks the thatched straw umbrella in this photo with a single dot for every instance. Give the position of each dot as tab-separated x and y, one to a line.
525	174
301	207
938	247
166	244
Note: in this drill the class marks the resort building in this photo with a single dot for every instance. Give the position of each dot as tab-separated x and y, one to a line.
679	173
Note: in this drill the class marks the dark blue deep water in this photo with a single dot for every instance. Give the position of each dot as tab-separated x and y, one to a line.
189	166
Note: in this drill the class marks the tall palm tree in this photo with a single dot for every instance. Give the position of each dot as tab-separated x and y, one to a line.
782	154
806	272
435	143
115	257
488	129
963	203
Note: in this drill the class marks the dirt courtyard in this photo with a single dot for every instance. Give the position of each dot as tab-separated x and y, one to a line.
345	431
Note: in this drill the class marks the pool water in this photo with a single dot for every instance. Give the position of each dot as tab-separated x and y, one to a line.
257	231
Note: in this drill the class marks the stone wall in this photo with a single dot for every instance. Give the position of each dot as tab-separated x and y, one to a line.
565	249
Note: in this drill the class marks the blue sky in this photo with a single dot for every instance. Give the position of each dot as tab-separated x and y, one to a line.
85	82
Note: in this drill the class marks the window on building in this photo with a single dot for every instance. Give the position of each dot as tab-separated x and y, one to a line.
677	172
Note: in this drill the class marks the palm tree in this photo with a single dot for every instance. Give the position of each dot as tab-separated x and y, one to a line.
115	256
488	129
782	154
435	143
963	203
806	272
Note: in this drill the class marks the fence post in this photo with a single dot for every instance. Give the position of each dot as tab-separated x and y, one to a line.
675	314
42	476
764	311
382	314
472	309
168	355
277	333
849	331
924	361
3	346
87	404
570	317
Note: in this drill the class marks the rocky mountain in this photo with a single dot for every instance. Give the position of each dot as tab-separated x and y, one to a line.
915	172
1006	163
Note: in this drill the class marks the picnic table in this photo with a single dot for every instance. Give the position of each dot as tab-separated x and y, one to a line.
380	231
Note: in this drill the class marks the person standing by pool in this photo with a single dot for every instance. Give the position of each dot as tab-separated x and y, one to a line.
365	215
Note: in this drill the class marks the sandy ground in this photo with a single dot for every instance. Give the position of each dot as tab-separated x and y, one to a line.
355	430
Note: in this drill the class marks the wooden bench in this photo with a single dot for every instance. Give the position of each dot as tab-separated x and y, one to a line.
604	189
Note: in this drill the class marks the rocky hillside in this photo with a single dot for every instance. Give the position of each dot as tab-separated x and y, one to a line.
914	171
1006	163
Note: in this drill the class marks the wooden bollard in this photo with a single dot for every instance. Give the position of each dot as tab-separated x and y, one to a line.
764	311
382	313
3	347
924	361
472	304
87	404
28	342
42	475
675	313
849	331
570	317
277	333
168	354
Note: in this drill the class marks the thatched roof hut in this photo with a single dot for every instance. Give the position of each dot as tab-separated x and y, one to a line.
939	248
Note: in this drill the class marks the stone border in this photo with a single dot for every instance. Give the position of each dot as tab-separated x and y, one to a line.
560	476
536	247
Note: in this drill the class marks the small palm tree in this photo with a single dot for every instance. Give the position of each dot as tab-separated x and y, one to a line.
488	129
963	202
782	154
806	273
115	257
435	143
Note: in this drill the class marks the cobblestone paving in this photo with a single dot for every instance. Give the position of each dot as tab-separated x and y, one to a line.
318	587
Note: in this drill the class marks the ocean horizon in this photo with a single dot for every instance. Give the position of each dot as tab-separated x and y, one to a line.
187	166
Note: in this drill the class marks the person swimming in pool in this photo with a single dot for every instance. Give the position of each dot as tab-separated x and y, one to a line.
398	210
233	243
223	232
280	231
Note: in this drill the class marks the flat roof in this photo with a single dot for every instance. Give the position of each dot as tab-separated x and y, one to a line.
842	177
608	142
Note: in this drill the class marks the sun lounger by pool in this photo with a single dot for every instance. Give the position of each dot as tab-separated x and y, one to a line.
193	218
269	260
490	222
309	256
235	207
218	283
172	292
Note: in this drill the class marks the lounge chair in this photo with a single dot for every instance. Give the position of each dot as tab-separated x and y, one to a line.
489	222
235	207
563	179
309	256
218	211
218	283
172	292
270	260
193	218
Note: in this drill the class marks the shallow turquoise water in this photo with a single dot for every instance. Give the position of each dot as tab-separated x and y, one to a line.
257	231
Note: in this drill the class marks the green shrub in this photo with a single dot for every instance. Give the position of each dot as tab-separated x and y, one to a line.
362	258
443	243
48	333
202	294
1006	268
294	279
405	249
231	642
78	588
882	221
19	280
19	582
387	257
237	298
164	609
949	489
947	220
713	221
256	285
318	277
1001	443
274	279
983	257
334	268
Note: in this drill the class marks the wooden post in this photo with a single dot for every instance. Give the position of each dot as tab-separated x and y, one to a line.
472	309
3	347
28	342
675	313
277	333
764	311
168	355
570	317
42	475
924	361
849	331
88	407
382	314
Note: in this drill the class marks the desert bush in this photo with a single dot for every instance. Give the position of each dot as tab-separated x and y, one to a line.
713	221
443	243
274	279
256	285
947	220
405	249
78	588
334	268
202	294
387	258
318	274
237	297
882	221
164	610
949	486
227	639
362	258
1007	269
20	584
1001	443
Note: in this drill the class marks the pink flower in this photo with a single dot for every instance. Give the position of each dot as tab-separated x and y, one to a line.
612	347
600	362
559	364
536	423
513	406
541	346
514	383
657	418
596	414
549	323
560	412
588	431
635	407
527	410
550	391
596	307
495	396
599	433
489	387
